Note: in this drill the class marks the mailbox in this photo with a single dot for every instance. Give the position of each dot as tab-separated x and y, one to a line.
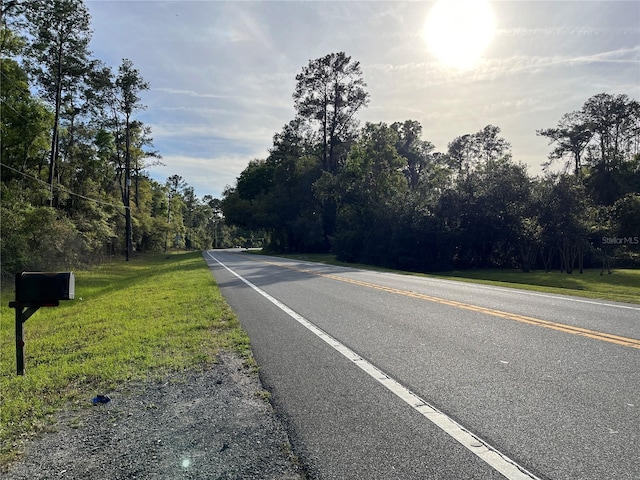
44	288
35	290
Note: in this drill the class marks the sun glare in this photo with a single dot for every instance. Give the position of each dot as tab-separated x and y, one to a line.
459	31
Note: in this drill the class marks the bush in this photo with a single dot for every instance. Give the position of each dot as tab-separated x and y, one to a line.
39	239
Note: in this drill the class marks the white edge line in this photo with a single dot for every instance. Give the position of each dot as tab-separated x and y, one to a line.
500	462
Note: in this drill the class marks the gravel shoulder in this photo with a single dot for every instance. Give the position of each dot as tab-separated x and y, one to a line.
213	424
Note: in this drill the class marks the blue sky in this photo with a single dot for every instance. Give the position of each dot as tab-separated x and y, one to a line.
222	72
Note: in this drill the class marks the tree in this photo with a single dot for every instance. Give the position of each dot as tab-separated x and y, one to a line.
416	151
25	123
470	150
292	203
11	22
174	184
564	219
371	188
278	194
58	55
83	128
215	222
614	122
489	146
484	210
195	218
602	141
330	91
570	137
460	152
129	83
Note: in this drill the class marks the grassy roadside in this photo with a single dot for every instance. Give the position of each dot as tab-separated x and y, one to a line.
129	321
623	285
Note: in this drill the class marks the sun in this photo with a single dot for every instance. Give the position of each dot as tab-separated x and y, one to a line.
459	31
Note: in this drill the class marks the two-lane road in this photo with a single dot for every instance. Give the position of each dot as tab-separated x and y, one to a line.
384	376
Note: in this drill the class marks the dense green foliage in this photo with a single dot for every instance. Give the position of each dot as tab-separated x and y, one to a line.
74	188
381	195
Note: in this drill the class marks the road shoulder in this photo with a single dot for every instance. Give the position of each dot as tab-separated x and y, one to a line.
198	425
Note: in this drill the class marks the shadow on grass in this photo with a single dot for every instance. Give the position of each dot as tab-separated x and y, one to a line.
111	278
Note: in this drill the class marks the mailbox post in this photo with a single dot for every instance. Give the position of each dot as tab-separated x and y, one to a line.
35	290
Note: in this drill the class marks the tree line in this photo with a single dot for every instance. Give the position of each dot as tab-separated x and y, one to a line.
74	188
380	194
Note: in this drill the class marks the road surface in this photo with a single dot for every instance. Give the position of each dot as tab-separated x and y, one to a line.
385	376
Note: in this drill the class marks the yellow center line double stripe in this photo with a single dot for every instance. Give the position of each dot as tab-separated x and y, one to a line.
585	332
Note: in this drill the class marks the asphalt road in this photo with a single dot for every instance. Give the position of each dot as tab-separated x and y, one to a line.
361	364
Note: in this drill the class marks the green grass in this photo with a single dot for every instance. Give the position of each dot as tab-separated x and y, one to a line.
623	285
147	318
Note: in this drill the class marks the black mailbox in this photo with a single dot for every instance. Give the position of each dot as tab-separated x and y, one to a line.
35	290
44	288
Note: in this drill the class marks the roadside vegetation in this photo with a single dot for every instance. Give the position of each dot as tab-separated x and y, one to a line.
74	185
622	285
138	320
381	194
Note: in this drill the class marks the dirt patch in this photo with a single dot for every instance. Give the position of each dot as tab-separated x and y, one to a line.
214	424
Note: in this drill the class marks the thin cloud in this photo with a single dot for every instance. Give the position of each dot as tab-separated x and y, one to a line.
566	31
512	66
190	93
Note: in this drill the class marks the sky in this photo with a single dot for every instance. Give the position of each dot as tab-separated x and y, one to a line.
222	73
